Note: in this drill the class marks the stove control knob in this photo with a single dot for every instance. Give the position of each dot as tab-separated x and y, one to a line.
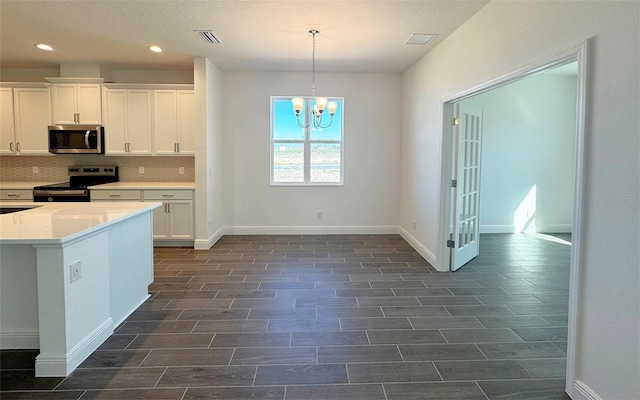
50	199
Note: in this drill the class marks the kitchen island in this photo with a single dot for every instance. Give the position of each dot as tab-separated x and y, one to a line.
69	274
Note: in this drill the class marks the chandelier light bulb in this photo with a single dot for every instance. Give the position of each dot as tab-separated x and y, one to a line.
297	104
321	102
332	107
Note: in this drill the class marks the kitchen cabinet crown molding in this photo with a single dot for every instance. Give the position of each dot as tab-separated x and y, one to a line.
74	80
25	84
149	86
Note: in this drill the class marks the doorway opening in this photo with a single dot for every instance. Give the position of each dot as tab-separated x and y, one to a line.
449	211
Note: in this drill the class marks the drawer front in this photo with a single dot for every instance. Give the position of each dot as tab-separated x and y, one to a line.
115	194
168	194
17	194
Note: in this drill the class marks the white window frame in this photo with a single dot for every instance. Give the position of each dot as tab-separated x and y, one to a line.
307	142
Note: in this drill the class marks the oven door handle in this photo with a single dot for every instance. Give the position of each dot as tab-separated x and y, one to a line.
86	139
72	192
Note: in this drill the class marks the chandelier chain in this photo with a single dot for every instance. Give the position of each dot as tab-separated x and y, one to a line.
313	65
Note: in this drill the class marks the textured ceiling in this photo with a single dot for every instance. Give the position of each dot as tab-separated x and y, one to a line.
356	35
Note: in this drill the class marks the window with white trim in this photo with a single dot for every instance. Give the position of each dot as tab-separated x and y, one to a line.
306	155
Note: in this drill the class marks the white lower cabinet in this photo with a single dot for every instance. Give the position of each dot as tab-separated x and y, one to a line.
172	222
16	194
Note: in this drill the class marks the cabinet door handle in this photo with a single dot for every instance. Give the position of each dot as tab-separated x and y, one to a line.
178	147
18	147
169	207
11	146
114	195
13	194
167	195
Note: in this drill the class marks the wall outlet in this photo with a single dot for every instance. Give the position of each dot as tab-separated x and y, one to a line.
319	214
141	170
181	170
35	170
414	224
75	271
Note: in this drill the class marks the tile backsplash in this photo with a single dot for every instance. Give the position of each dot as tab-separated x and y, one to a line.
54	168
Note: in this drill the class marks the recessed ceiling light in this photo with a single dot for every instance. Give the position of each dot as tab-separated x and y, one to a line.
43	46
155	49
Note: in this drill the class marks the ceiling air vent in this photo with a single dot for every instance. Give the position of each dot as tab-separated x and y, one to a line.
208	37
420	38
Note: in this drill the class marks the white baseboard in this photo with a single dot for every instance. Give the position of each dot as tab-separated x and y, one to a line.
423	251
583	392
310	230
20	340
201	244
50	365
552	228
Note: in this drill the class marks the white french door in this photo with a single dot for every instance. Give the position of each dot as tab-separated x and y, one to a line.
466	186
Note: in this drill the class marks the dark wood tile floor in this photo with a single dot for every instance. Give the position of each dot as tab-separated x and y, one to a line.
330	317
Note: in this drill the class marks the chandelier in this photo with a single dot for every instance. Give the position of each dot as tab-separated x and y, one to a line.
321	103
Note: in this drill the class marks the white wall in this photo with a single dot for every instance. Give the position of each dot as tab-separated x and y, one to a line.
501	37
528	142
370	195
208	159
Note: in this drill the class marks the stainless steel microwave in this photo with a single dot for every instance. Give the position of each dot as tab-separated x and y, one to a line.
76	139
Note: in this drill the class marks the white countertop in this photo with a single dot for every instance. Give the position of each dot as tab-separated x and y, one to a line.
22	185
108	186
145	185
48	223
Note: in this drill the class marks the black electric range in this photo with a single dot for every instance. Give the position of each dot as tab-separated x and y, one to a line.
77	189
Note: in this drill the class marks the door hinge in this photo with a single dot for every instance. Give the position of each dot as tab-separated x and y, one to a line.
455	121
451	244
453	183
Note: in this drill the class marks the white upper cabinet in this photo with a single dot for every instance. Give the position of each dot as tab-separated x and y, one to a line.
25	114
127	121
7	124
77	103
173	122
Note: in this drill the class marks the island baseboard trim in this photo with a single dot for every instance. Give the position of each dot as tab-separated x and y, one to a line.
128	313
20	340
56	365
